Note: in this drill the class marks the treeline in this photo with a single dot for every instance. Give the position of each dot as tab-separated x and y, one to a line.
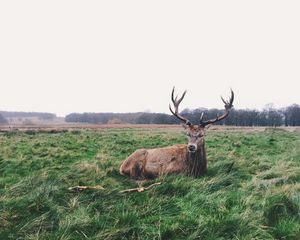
40	115
5	115
115	118
289	116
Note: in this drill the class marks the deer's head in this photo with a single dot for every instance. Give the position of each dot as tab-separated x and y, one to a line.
195	132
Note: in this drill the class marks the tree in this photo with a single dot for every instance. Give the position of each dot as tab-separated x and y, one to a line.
292	115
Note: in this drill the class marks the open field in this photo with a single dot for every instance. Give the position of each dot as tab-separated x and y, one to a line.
251	190
64	127
76	126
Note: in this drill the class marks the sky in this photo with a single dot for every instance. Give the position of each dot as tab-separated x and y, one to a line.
126	56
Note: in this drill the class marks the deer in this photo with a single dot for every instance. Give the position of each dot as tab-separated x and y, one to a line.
189	159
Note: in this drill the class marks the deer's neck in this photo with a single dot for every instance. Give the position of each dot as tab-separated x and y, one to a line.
196	161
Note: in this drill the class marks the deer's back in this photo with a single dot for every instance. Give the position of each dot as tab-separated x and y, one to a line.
147	163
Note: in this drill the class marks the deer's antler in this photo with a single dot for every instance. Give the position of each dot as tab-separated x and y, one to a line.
228	106
176	103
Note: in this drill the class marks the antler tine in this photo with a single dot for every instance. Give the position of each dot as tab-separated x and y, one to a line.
172	94
228	106
201	116
231	98
229	103
225	102
175	101
176	105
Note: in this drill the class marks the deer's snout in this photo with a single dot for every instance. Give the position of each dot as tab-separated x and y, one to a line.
192	147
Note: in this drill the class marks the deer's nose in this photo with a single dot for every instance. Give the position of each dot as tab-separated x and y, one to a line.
192	148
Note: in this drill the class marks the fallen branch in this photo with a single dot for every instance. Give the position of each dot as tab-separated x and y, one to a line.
140	189
98	187
81	188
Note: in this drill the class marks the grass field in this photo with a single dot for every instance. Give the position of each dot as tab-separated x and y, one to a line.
258	197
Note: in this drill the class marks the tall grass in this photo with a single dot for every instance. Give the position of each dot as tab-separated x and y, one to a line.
251	190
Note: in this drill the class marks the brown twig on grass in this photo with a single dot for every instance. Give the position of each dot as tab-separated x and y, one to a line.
98	187
140	189
81	188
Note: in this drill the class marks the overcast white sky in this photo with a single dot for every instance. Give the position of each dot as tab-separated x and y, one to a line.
125	56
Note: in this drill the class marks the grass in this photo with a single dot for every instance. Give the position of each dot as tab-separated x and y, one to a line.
251	190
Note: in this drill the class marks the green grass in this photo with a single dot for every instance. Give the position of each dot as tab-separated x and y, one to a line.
251	190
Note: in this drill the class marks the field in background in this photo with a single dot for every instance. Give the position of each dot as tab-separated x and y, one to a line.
251	191
64	127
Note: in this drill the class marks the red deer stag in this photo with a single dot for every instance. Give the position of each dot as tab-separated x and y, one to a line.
190	158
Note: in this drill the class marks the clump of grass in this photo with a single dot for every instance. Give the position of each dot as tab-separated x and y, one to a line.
251	190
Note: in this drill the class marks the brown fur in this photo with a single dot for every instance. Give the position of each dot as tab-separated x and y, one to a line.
150	163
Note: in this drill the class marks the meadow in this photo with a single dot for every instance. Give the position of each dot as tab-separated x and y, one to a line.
251	190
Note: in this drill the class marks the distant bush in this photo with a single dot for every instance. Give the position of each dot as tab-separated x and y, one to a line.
3	120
